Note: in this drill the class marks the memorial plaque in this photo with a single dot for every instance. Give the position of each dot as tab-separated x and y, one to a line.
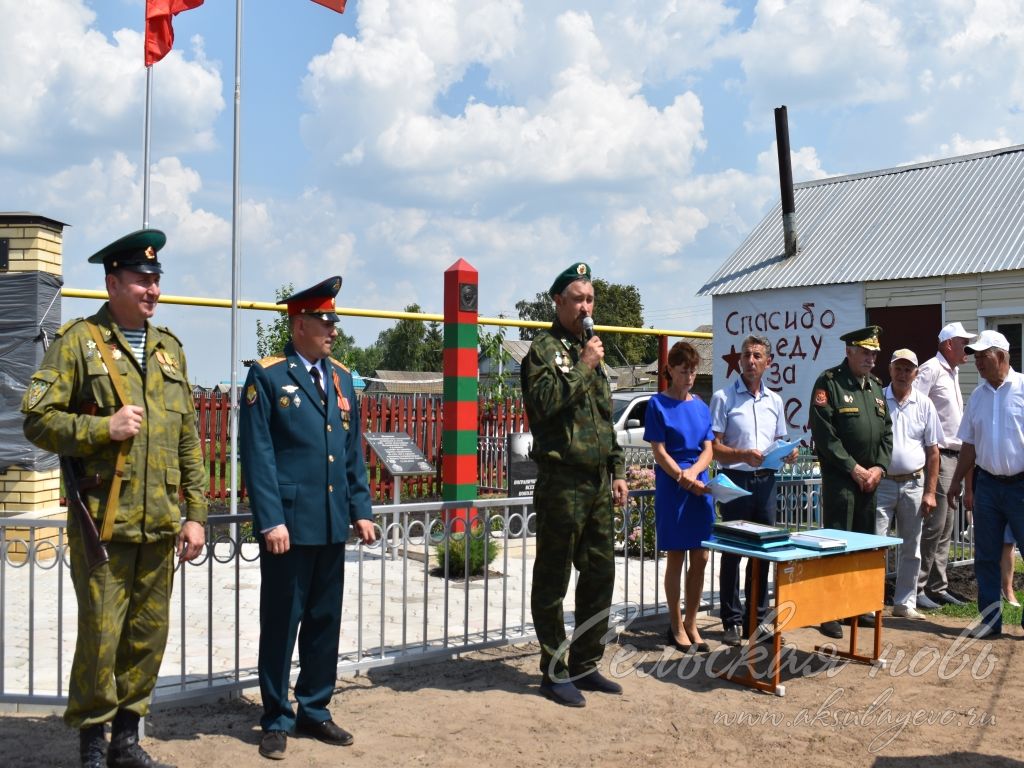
521	469
398	453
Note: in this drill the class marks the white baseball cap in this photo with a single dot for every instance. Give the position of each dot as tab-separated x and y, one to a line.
904	354
989	340
955	331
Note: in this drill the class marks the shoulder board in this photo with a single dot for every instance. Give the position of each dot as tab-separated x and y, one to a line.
830	373
69	325
167	331
266	362
339	364
875	379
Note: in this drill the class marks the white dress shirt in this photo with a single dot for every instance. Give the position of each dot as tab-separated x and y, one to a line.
915	425
994	424
746	421
940	382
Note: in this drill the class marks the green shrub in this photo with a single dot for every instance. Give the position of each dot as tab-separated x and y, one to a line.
454	549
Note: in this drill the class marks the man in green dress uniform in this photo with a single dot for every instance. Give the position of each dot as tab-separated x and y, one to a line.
72	408
852	432
568	402
302	455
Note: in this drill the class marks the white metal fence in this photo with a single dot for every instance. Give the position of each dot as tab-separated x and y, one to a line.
403	599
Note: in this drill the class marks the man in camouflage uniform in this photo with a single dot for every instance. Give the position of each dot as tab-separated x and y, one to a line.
568	402
71	408
852	432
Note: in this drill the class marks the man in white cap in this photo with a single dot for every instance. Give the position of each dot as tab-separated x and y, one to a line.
938	379
907	492
992	436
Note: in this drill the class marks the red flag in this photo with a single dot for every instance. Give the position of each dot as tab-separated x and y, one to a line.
334	5
159	32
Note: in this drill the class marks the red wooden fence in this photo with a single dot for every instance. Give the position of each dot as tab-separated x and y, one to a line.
420	416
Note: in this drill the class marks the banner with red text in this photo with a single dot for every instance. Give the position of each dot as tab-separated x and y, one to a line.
803	325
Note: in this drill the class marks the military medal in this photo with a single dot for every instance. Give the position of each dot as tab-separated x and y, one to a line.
291	390
297	401
90	349
115	352
285	401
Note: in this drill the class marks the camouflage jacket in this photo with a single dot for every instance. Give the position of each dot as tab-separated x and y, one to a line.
67	410
569	405
850	422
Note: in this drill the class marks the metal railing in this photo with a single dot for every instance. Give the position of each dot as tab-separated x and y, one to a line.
404	599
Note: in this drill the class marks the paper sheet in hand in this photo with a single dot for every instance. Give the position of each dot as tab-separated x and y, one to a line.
776	452
723	490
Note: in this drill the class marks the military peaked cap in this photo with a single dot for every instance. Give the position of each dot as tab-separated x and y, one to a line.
578	271
135	252
864	337
318	300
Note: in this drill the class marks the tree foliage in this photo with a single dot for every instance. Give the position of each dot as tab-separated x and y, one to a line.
402	346
273	335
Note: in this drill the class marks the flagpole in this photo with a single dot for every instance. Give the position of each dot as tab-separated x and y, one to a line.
145	147
236	278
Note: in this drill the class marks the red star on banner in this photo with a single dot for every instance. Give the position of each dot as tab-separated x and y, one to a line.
732	361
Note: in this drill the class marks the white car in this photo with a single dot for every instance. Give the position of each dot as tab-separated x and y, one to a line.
628	409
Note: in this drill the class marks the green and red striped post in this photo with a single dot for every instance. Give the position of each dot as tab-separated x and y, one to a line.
459	435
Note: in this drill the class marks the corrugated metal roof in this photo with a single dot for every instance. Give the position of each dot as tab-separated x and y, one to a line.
959	215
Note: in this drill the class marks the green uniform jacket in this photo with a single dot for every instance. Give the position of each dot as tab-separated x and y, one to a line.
850	423
67	410
569	405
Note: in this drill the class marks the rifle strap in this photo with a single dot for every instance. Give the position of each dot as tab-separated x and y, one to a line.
125	446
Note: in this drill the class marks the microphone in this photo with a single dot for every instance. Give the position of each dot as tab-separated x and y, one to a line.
588	334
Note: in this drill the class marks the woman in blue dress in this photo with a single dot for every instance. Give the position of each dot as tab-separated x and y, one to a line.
678	427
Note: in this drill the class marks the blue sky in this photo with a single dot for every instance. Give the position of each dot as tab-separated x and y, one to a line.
386	143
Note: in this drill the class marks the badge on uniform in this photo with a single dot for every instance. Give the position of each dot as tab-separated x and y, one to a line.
285	401
90	349
250	394
820	397
847	398
115	351
290	389
36	391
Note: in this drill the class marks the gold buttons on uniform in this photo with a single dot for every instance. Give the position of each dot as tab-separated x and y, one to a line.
330	459
330	488
328	427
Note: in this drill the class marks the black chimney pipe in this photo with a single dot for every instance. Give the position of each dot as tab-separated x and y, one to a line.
786	180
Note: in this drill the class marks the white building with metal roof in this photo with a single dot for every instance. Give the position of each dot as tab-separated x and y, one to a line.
907	248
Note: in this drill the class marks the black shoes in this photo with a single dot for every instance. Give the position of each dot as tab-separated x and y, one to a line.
124	750
864	620
562	692
671	642
327	732
732	636
595	681
945	598
983	632
831	629
273	744
92	746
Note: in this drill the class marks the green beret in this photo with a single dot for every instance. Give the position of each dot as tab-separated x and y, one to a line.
135	252
864	337
578	271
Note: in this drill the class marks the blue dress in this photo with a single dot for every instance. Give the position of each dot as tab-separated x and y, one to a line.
682	519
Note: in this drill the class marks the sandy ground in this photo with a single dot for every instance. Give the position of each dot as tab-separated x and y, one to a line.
940	702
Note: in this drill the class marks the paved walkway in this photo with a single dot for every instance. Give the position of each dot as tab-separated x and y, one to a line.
391	602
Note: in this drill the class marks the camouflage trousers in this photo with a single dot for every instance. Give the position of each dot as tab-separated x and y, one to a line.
574	528
844	505
123	617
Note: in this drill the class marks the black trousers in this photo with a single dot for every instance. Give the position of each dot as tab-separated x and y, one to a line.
759	507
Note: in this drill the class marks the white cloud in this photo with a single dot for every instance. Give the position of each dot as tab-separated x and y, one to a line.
68	88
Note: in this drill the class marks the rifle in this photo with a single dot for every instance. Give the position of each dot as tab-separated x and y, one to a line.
93	549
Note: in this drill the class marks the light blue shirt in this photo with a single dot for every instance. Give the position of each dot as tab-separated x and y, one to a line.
747	421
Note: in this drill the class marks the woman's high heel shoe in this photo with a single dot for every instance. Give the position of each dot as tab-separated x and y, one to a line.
1011	599
670	640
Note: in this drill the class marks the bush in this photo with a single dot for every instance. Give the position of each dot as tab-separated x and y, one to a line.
453	551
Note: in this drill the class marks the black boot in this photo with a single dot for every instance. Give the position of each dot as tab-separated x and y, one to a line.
92	746
125	751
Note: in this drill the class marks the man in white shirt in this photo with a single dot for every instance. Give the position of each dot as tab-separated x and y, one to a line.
747	418
992	435
907	492
938	379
